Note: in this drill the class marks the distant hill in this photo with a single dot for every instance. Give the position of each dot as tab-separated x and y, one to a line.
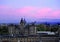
38	21
50	21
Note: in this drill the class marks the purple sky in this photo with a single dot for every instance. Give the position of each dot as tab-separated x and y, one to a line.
13	10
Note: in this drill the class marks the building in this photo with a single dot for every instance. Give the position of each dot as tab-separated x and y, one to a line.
24	32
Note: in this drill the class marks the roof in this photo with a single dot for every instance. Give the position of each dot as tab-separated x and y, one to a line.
46	32
17	36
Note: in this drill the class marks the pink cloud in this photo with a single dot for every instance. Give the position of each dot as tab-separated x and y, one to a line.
55	14
33	11
25	10
3	7
44	10
29	12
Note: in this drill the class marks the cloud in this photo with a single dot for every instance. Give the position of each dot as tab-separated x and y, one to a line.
25	10
55	14
3	7
29	12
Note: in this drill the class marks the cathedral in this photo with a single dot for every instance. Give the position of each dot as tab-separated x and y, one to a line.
23	28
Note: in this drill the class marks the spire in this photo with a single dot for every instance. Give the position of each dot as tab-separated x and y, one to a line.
22	21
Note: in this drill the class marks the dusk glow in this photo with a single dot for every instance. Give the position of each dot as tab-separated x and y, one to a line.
13	10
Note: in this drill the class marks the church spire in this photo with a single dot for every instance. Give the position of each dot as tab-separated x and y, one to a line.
22	21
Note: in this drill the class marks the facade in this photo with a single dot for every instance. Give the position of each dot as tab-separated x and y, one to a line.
20	33
24	32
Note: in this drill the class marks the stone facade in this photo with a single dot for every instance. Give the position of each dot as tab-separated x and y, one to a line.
25	33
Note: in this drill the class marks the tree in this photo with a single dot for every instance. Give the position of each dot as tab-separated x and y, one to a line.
54	28
41	27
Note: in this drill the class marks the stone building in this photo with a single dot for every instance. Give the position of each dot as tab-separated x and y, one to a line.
22	28
24	32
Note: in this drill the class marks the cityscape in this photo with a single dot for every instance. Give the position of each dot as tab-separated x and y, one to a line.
29	32
29	20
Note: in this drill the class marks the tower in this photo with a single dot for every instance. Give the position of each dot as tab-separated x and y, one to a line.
22	25
32	29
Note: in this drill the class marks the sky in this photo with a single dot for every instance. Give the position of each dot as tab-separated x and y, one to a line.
31	10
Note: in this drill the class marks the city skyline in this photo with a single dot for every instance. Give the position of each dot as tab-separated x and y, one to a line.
31	10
